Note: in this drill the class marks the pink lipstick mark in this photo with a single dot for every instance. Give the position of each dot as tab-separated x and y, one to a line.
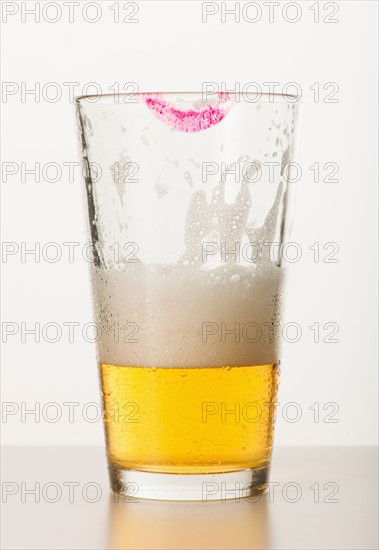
191	120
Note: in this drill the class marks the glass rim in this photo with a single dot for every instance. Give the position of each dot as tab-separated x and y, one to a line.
110	99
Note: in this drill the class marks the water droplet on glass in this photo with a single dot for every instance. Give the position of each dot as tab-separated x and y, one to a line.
160	190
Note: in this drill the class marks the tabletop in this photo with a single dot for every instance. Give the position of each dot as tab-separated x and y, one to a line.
318	498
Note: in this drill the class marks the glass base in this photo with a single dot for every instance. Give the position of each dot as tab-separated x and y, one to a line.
135	484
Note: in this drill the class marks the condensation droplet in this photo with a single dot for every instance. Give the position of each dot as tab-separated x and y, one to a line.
88	124
160	190
187	176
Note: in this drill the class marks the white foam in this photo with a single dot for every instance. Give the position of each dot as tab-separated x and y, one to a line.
178	316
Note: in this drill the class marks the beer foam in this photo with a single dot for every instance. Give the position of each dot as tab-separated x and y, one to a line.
181	316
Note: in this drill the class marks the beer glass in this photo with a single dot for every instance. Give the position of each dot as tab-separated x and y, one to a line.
189	199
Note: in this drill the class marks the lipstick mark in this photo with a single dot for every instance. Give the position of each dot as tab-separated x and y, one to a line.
191	120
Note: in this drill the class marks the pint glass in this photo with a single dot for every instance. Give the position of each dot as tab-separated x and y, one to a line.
189	199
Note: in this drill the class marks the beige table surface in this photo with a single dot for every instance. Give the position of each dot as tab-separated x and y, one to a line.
339	512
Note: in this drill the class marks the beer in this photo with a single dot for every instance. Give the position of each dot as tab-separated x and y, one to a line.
189	420
188	400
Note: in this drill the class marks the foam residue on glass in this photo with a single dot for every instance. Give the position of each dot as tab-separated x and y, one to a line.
179	314
186	255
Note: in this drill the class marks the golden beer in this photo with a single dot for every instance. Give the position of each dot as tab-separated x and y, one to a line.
189	420
189	375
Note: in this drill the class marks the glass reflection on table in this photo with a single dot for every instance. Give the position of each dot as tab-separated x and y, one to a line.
160	525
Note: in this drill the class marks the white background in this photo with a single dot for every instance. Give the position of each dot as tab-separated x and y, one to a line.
170	48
